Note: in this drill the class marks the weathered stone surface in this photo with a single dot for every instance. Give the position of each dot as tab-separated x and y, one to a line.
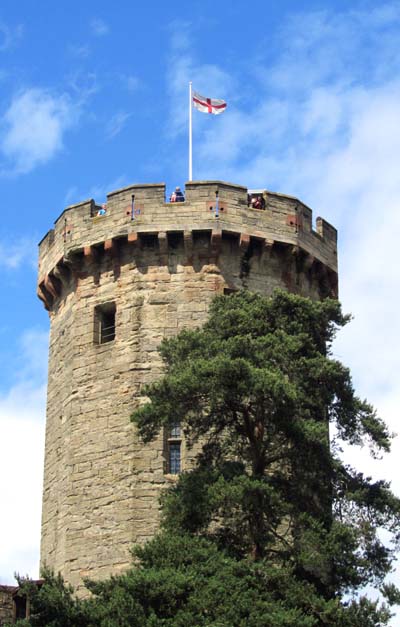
6	604
161	269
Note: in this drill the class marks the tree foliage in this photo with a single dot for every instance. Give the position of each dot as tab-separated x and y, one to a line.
259	384
270	527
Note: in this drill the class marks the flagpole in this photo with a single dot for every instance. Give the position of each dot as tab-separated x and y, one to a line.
190	130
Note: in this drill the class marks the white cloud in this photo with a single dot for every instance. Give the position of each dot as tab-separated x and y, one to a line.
22	412
13	254
33	356
99	27
21	454
33	127
321	46
116	124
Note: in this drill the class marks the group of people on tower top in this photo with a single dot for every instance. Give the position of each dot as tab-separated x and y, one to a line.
256	201
177	196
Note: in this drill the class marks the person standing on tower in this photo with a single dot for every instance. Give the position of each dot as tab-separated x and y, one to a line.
177	196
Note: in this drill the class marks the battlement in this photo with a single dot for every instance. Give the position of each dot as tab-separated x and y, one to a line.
219	208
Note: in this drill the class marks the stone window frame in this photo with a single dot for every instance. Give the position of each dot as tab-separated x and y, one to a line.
104	323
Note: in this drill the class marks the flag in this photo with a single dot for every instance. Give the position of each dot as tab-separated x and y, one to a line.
208	105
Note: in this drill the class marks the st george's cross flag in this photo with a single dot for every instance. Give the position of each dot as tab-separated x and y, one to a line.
208	105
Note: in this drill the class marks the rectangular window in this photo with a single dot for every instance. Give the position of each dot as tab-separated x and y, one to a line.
104	323
174	449
20	607
174	458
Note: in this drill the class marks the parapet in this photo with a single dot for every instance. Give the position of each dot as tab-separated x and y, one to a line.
216	207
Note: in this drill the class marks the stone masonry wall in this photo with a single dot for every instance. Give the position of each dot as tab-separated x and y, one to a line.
6	604
161	269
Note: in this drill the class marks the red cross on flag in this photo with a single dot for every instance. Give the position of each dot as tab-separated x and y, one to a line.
208	105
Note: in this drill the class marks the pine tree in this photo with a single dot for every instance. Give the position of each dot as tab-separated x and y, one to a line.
270	527
259	388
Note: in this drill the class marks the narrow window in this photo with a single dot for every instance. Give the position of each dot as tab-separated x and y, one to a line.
174	458
104	323
174	449
20	607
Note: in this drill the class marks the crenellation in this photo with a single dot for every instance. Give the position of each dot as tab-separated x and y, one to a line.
326	231
149	189
285	218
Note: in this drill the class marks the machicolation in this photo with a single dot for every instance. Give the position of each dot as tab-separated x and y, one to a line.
115	285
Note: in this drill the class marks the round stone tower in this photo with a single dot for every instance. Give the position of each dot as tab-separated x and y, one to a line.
117	280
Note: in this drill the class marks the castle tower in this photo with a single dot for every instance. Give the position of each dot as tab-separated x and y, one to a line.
114	286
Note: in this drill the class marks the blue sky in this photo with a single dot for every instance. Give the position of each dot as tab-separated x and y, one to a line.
93	98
